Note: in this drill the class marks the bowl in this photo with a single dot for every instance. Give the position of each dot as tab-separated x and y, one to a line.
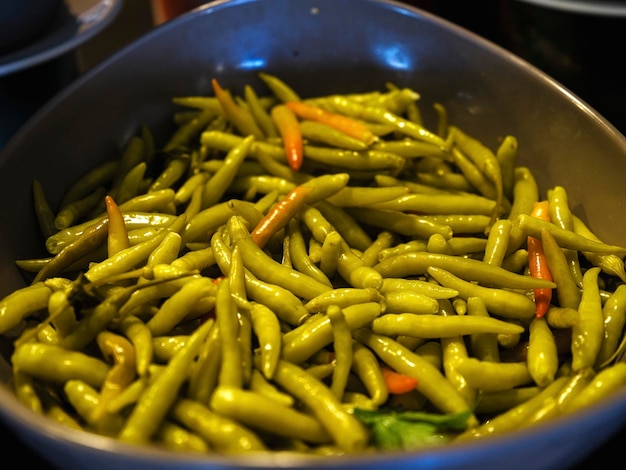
318	47
24	22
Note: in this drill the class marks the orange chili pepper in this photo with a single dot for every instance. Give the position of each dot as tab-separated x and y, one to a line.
289	129
280	214
120	350
537	261
397	383
238	117
117	238
342	123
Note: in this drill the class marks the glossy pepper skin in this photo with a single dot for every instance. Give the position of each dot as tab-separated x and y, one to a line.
222	289
538	263
289	129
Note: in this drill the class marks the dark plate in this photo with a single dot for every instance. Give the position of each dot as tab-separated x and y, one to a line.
79	21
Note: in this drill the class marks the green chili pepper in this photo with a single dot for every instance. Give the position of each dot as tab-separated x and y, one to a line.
447	181
266	327
204	224
131	184
605	382
532	226
561	215
410	225
517	416
497	243
454	350
493	376
279	88
322	133
154	201
175	308
342	347
501	302
84	399
56	364
259	113
525	195
501	401
239	116
158	398
88	241
100	175
437	326
218	183
430	381
384	239
44	213
440	204
484	346
317	332
328	218
221	433
253	409
507	158
342	297
415	263
474	175
179	439
366	366
610	263
130	257
588	331
23	302
141	338
380	115
486	161
429	289
346	431
269	270
543	360
25	390
298	253
406	301
283	302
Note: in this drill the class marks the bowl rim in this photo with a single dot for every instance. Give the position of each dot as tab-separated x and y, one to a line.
50	429
614	8
95	443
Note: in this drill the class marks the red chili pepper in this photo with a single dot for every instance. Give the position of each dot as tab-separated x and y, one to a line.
397	383
537	262
280	214
342	123
289	129
117	238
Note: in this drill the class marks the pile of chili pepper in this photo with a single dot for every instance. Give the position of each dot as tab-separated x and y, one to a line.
320	275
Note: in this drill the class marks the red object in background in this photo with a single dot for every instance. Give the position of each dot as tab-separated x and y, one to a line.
164	10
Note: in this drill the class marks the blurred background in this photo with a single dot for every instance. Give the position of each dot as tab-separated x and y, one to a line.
577	43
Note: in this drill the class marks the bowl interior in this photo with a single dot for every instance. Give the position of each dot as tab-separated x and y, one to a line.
318	47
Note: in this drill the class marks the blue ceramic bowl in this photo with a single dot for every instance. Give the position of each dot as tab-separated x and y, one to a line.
318	46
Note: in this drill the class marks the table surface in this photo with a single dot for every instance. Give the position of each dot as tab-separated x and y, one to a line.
23	94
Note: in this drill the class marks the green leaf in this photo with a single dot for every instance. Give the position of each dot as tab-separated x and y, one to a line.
406	430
